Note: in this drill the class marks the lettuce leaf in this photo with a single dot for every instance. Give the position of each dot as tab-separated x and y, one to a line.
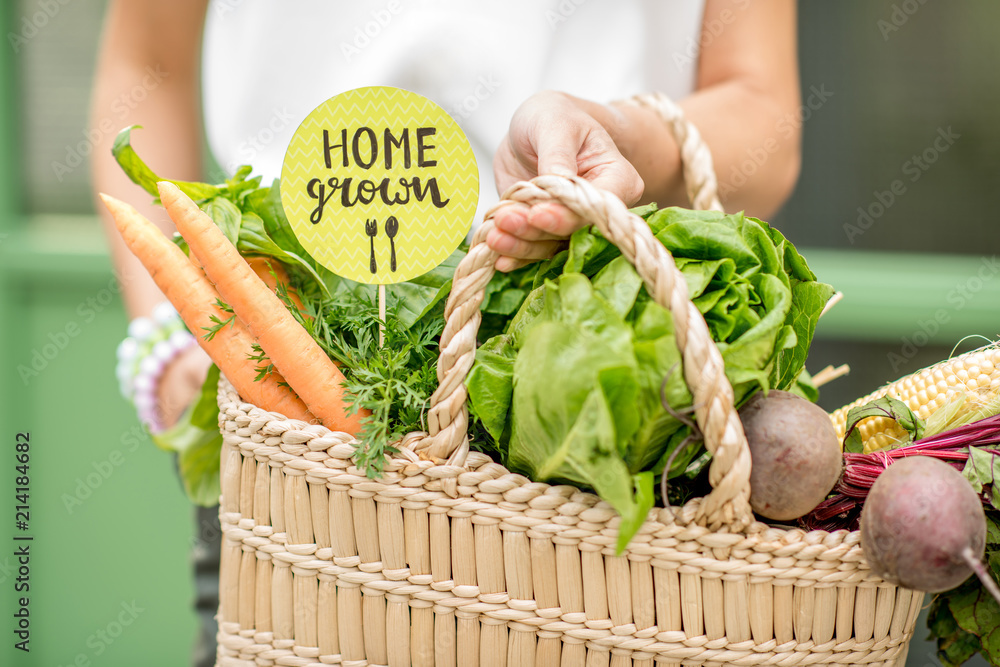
146	178
197	441
571	390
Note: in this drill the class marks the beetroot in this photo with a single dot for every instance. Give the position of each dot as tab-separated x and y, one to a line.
923	526
795	455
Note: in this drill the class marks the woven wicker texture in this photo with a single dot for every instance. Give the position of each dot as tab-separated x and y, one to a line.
449	559
322	565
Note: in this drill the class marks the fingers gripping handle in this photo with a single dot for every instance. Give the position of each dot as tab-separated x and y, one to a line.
727	506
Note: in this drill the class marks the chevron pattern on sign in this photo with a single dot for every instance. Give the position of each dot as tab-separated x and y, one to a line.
367	190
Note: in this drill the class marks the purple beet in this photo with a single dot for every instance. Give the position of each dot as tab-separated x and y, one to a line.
794	452
923	526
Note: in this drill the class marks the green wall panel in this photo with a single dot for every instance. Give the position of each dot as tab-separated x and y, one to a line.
911	299
111	526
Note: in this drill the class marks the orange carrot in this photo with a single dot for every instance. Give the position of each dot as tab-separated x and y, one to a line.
306	368
273	273
187	288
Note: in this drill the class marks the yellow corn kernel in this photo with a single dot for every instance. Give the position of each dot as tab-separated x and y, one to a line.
974	374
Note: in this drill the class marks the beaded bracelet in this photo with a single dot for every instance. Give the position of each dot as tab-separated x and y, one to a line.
152	343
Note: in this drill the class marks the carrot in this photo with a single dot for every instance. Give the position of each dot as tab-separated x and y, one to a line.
306	368
187	288
273	274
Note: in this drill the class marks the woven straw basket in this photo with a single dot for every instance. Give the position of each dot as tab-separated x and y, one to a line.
451	560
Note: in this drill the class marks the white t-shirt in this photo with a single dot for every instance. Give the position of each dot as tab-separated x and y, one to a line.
267	64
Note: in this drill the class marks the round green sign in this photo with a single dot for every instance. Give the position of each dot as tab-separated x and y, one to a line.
380	185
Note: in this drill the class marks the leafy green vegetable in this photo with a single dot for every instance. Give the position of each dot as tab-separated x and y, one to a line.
982	469
197	441
225	214
571	390
144	177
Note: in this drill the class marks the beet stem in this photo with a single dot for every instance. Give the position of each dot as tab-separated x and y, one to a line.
980	570
861	470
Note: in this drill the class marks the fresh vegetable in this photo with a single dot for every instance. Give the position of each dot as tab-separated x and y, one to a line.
954	392
794	451
576	358
193	296
966	448
923	526
309	372
276	278
393	382
572	390
272	273
959	618
249	215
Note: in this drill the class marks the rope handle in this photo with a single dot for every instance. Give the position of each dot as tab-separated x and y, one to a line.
727	506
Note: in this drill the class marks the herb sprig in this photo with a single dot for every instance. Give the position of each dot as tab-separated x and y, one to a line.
394	382
218	324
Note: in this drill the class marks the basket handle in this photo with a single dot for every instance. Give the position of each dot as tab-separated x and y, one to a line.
727	506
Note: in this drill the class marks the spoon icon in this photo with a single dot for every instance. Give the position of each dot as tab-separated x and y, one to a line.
391	228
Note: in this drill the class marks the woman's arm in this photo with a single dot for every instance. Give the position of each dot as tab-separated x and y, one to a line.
747	90
147	74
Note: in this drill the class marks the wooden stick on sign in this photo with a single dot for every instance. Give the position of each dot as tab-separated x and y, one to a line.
381	315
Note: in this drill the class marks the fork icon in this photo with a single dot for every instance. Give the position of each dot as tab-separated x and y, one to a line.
371	229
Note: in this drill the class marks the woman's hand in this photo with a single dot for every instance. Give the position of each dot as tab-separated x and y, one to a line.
555	133
180	383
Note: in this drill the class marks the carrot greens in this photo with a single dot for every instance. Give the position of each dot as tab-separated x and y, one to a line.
218	323
394	382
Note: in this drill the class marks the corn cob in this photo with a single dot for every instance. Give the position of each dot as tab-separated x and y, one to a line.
975	375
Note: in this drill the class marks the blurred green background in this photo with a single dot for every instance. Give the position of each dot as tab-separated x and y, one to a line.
902	225
110	573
